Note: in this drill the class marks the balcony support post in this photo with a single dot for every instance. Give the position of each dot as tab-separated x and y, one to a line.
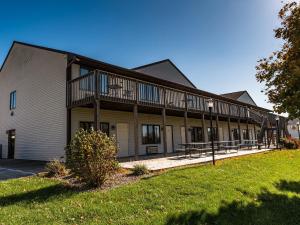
136	131
186	118
96	114
164	130
204	129
229	129
186	126
239	128
96	103
247	127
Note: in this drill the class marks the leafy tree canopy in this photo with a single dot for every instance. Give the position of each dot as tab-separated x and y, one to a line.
281	71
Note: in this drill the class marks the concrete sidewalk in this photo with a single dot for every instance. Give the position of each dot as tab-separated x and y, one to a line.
177	161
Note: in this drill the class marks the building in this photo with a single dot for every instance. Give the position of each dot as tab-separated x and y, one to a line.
47	94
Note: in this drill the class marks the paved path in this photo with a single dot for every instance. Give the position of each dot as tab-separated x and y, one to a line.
10	169
175	161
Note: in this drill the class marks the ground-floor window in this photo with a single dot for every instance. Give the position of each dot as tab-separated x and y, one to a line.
215	133
150	134
197	134
235	134
104	127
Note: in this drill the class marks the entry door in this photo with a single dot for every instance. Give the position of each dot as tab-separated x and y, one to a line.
123	139
169	137
182	135
11	144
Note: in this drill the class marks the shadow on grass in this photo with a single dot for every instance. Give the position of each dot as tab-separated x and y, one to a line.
58	191
291	186
266	208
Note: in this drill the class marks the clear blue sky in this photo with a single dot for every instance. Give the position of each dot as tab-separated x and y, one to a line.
215	43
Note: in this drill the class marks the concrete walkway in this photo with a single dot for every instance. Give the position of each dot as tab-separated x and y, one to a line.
177	161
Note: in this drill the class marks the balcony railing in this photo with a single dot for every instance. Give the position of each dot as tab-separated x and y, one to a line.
116	88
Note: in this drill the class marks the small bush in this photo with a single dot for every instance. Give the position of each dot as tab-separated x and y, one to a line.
290	143
139	169
56	168
91	156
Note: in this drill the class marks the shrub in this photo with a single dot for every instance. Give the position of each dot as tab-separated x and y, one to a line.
56	168
291	143
140	169
91	156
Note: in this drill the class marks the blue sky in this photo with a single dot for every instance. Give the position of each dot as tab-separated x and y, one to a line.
215	43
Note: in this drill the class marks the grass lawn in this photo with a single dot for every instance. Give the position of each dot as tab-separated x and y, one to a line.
258	189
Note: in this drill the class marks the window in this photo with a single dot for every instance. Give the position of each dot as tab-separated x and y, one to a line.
103	79
197	134
104	127
149	93
245	134
86	84
215	133
235	134
12	100
84	70
150	134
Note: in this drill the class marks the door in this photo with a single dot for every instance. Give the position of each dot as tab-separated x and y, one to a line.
169	137
182	135
123	139
11	144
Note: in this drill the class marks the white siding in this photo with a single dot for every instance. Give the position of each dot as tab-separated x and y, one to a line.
114	117
39	78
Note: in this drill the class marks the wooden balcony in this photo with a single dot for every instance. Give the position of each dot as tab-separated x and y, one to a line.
116	88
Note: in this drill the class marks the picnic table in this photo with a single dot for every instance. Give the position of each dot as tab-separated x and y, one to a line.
205	147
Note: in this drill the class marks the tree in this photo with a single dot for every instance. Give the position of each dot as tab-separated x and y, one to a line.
281	71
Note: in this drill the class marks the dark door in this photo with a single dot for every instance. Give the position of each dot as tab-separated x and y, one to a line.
11	144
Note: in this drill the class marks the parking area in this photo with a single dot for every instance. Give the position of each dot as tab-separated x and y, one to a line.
15	168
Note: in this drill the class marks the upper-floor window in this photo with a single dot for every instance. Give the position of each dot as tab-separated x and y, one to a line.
149	93
84	70
13	100
150	134
197	134
88	83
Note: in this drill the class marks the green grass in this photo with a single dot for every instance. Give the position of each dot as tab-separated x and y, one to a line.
259	189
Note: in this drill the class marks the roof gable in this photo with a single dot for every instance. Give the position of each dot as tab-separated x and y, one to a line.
242	96
29	45
166	70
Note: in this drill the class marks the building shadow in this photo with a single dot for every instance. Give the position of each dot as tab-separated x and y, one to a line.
266	208
58	191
